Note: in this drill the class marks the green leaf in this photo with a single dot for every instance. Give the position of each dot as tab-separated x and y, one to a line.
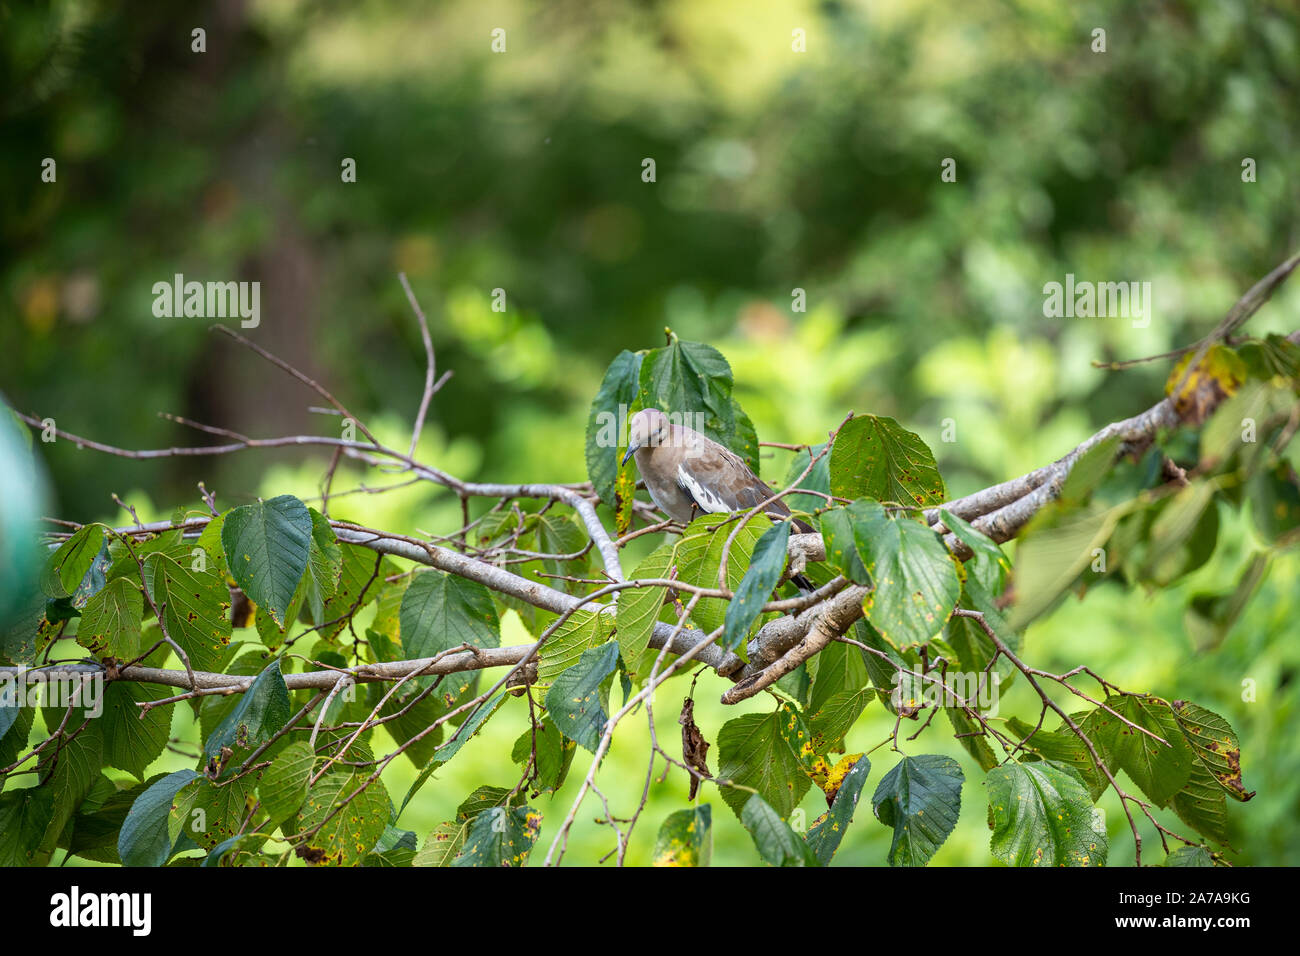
92	833
359	584
500	836
841	546
194	605
234	850
754	753
10	710
133	738
209	813
574	700
442	845
442	611
563	649
1041	815
554	754
262	710
324	566
1088	470
1160	770
1190	856
283	786
144	839
24	635
606	428
24	817
70	564
75	774
1270	356
1064	747
395	848
111	620
692	379
699	555
972	738
765	567
638	609
971	643
875	457
267	547
348	835
1214	746
777	843
408	718
1202	806
920	798
1054	549
1275	500
839	693
1226	434
916	583
15	724
988	564
828	830
685	838
819	479
1209	618
1216	771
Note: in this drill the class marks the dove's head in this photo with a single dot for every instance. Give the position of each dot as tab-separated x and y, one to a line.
648	428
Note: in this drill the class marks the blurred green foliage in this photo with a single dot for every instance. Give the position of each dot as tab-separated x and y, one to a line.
775	171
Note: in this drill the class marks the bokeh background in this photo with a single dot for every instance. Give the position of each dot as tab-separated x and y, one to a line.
776	170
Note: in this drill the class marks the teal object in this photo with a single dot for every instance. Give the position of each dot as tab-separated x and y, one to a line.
24	493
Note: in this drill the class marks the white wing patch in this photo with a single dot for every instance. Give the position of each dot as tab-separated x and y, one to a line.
707	500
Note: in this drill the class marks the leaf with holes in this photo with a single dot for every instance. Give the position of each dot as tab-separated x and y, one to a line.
111	620
344	837
194	606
